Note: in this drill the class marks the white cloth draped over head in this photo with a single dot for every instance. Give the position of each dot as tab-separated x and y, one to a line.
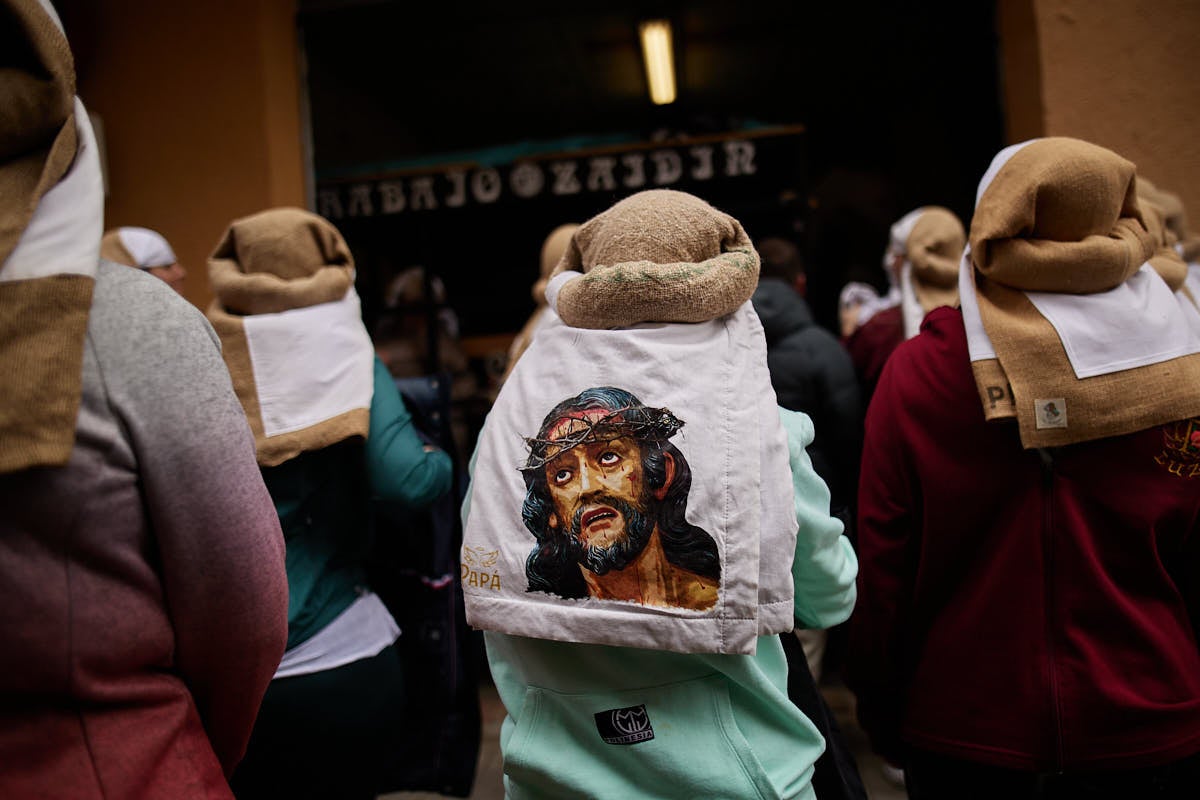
699	391
1070	329
291	331
867	301
921	264
137	247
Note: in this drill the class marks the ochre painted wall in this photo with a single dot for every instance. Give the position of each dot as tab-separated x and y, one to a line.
200	105
1021	70
1120	73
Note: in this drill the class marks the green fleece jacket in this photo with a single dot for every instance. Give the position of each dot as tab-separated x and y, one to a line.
591	721
323	499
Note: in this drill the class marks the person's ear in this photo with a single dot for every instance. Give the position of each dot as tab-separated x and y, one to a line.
668	476
552	521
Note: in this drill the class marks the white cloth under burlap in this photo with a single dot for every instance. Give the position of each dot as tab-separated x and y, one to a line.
650	263
51	217
713	377
1070	330
291	331
137	247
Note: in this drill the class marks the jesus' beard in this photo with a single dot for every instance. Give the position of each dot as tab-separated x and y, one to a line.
616	556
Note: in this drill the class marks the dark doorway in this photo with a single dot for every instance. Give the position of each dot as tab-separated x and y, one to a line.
857	113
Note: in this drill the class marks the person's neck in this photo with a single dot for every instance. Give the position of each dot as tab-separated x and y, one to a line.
643	581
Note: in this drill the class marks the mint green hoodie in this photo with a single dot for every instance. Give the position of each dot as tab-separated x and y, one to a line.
592	721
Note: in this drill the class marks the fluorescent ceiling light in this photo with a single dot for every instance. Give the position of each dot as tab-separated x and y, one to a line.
660	67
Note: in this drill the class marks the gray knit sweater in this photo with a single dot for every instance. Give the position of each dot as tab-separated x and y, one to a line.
144	591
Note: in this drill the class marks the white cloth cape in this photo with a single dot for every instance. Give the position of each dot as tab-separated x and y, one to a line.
310	364
63	236
713	376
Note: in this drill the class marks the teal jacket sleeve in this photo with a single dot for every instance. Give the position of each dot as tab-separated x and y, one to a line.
825	566
401	469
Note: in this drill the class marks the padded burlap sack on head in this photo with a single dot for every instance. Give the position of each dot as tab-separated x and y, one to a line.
657	256
934	249
51	214
291	331
1088	340
280	259
921	262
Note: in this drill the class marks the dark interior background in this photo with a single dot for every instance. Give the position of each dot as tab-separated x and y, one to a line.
899	105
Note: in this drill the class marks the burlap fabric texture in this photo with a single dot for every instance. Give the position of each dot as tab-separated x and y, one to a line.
273	261
45	309
137	247
113	249
1174	218
934	248
1165	260
656	256
1062	216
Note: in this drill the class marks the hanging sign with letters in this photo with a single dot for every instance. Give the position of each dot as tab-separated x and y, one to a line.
622	170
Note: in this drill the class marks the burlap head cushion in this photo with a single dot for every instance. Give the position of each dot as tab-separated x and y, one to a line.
934	249
657	256
280	259
1061	215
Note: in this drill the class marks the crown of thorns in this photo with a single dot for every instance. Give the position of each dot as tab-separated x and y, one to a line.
644	424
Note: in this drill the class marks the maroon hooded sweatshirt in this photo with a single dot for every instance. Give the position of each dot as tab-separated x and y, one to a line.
1026	609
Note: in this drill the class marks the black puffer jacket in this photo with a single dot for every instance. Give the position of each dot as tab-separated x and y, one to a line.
813	373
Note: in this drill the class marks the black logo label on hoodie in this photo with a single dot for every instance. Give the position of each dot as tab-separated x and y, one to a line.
624	725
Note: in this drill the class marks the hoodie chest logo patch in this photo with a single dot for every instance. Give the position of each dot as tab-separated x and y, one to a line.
628	725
